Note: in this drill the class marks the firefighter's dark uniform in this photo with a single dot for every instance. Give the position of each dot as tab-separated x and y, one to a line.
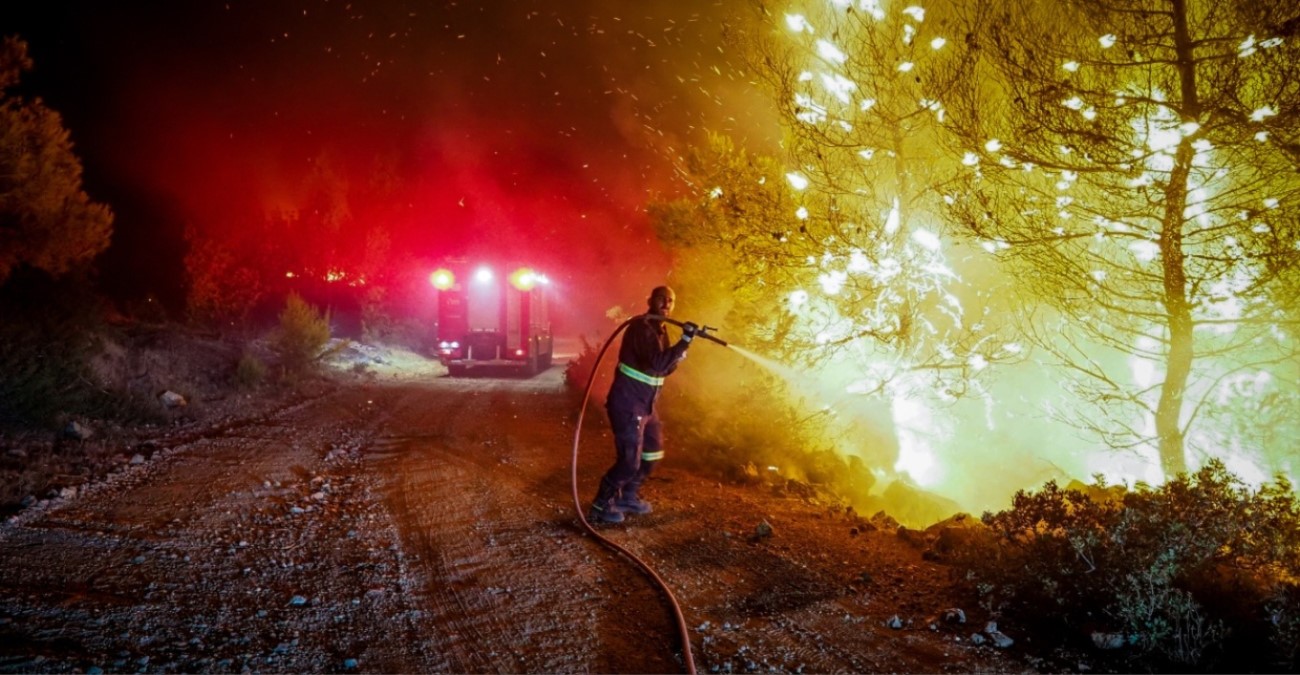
645	358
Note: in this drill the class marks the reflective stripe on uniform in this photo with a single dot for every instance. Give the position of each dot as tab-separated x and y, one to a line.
640	376
652	456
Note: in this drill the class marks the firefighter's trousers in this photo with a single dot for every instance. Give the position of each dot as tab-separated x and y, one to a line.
638	446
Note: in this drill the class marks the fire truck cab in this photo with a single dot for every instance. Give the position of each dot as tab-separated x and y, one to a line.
491	319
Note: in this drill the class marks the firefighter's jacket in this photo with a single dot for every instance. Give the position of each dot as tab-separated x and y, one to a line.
645	358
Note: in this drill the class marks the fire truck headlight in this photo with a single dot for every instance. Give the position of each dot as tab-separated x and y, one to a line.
483	275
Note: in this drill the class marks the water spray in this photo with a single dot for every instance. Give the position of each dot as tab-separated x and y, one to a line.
701	332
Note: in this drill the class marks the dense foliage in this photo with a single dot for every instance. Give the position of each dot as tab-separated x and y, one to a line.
47	221
1197	572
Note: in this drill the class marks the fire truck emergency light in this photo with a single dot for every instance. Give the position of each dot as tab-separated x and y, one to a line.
523	279
442	279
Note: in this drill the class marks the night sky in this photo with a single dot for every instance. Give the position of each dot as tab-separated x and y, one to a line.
537	128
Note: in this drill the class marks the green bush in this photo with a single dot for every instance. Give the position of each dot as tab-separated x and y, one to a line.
250	372
1193	569
301	337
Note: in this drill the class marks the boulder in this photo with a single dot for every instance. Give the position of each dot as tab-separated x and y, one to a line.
171	399
78	431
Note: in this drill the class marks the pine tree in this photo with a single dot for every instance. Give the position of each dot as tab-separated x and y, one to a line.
1137	159
47	221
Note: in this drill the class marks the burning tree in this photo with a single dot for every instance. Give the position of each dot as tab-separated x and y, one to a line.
1138	160
836	253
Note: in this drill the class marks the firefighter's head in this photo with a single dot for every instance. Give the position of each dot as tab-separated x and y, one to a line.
661	301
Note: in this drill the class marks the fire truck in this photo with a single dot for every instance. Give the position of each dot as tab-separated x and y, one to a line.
492	319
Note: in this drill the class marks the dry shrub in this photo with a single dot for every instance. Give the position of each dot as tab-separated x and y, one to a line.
578	371
301	337
49	331
1184	572
250	372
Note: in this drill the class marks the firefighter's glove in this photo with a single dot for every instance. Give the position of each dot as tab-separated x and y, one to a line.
688	331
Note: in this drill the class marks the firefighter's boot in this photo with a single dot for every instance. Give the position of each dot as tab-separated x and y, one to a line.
605	512
628	500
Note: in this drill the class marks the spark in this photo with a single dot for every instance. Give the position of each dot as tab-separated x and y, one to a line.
927	240
832	282
858	262
798	23
892	220
839	86
810	111
872	7
1247	47
1144	251
830	52
1261	113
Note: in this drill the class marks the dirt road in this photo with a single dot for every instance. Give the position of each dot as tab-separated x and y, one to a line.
428	527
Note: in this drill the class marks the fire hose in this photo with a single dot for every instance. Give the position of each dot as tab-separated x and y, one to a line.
702	332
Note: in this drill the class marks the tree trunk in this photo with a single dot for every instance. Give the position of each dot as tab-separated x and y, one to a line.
1178	362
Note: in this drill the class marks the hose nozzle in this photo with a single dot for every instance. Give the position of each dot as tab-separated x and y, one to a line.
702	331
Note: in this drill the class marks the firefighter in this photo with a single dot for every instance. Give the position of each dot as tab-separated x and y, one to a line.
645	357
